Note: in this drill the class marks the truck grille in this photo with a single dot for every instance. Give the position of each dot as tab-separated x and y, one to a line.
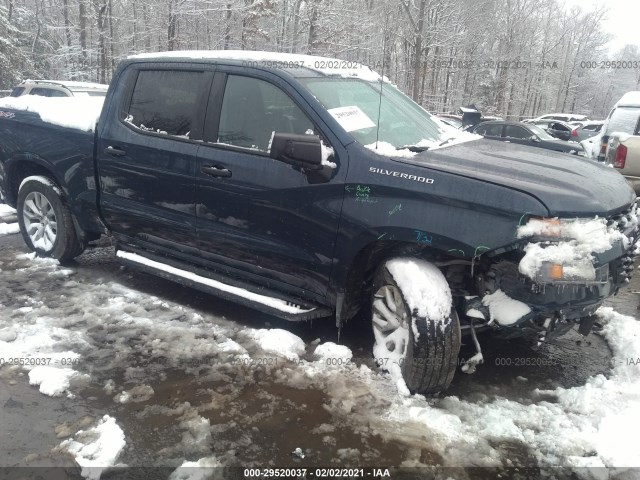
627	220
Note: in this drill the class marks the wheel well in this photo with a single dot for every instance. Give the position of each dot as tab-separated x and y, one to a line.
22	170
365	264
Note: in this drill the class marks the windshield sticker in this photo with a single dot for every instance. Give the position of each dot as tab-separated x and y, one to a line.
351	118
7	115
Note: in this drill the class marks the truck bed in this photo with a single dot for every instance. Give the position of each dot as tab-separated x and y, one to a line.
39	147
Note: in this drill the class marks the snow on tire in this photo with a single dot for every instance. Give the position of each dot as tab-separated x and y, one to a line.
45	220
416	328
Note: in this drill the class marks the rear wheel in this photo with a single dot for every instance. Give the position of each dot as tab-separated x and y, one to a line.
413	338
45	220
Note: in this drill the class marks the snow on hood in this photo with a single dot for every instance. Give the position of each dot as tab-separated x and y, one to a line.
79	113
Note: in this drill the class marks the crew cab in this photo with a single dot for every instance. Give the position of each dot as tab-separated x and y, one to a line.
308	188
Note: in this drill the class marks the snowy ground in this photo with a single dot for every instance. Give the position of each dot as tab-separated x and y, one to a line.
127	369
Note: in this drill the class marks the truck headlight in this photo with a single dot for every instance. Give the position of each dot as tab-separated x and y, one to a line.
578	272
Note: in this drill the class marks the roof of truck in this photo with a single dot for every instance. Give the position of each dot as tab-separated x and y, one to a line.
295	64
629	99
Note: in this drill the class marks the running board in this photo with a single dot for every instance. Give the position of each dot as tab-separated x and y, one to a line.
286	309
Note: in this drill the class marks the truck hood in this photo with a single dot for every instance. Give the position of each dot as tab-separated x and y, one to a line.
567	185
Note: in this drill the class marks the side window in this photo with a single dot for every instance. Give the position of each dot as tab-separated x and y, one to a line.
164	101
514	131
42	92
16	92
57	93
253	109
493	130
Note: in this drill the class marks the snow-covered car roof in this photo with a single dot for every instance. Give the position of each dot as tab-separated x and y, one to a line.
295	64
629	99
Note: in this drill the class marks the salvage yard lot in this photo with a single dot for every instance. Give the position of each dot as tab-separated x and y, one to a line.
164	375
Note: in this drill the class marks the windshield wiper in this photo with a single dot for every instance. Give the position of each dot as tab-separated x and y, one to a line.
413	148
446	141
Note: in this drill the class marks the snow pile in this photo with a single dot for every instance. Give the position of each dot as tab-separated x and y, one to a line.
202	469
279	341
53	381
593	424
591	146
9	228
577	240
385	148
98	448
504	309
330	350
79	113
7	214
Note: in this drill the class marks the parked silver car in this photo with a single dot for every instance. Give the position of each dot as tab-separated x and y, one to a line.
54	88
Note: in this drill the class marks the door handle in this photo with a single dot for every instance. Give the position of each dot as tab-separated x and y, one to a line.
114	152
216	171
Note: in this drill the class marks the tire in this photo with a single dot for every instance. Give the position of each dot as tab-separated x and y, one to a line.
45	220
428	360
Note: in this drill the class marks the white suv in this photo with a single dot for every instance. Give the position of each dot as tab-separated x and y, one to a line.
53	88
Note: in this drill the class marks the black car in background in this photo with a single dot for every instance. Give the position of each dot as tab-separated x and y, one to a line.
556	128
525	134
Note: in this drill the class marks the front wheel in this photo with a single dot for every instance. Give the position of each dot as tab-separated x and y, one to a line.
45	220
416	328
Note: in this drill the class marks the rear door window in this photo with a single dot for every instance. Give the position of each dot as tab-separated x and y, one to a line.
490	130
165	101
252	109
515	131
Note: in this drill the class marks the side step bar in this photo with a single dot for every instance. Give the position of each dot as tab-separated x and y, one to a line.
216	285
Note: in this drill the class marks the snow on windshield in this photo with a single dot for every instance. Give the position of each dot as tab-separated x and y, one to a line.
382	118
79	113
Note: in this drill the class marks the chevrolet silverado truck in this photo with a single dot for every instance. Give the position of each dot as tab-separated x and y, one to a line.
308	188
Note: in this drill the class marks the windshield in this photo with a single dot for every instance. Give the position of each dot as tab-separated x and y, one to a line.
540	133
355	103
624	120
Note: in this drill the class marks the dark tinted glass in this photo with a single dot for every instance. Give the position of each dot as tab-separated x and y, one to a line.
41	92
253	109
16	92
514	131
493	130
57	93
165	101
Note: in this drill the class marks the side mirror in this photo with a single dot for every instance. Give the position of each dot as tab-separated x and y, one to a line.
534	138
303	151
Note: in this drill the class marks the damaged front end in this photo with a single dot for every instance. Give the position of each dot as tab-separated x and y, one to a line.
557	276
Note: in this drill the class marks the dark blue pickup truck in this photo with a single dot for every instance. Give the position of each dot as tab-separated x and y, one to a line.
309	188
